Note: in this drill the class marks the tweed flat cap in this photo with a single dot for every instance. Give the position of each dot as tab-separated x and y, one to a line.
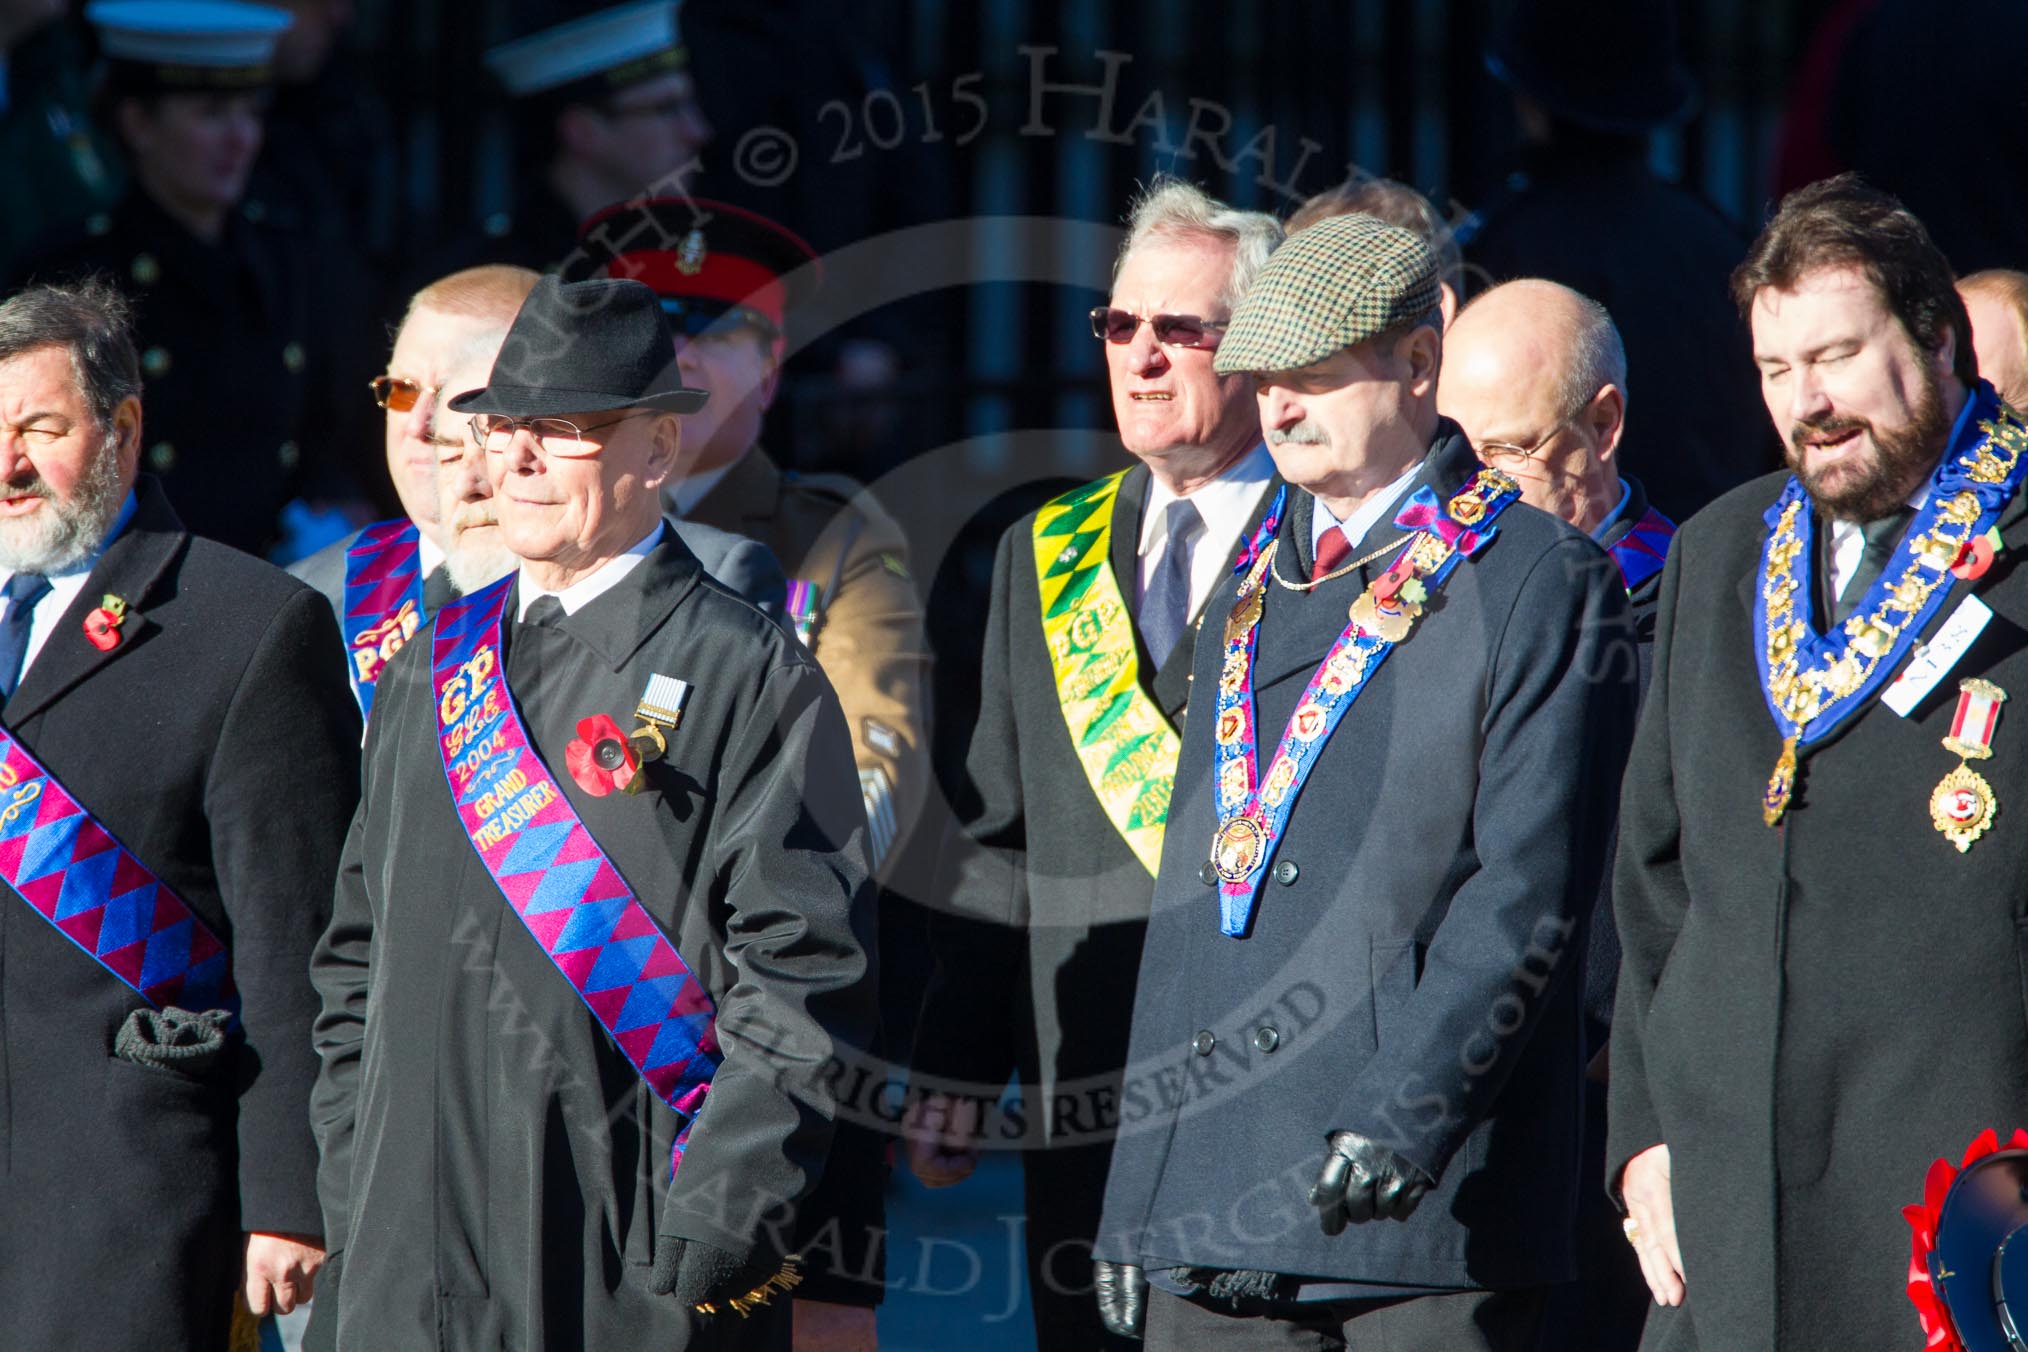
1341	281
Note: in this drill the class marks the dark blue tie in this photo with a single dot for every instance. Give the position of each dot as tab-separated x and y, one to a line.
1165	609
23	590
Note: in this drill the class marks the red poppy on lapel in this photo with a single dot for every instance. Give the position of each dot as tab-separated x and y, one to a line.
601	758
102	626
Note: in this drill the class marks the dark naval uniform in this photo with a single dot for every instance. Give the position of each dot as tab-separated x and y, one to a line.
65	168
216	742
1038	929
1410	972
539	232
255	378
494	1171
1810	1013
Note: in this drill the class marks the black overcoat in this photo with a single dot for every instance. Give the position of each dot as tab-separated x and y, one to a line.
495	1173
1043	904
1040	916
218	742
1411	969
1809	1014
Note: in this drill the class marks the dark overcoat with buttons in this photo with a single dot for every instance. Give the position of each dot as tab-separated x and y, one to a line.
254	355
1037	930
218	743
495	1172
1411	970
1809	1015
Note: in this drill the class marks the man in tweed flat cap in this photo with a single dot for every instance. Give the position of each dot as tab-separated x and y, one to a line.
1350	1116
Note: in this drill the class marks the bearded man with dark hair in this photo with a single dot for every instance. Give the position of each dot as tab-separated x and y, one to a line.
1813	909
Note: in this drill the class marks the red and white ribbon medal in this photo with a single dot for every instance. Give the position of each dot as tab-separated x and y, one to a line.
1962	805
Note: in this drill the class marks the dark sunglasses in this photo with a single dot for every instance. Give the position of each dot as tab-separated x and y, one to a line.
397	394
1120	326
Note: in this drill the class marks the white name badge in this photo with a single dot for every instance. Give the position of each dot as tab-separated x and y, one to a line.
1938	656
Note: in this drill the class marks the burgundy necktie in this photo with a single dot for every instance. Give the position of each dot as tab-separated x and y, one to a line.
1332	551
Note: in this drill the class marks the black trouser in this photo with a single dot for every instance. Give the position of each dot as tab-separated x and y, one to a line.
1462	1321
1065	1190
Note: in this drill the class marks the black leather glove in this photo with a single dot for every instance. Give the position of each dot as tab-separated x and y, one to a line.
1122	1291
1363	1180
697	1273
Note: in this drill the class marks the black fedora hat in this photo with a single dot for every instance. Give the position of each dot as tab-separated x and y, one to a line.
1613	67
584	347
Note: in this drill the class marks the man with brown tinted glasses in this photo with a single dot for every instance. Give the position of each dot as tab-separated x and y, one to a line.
385	581
1044	903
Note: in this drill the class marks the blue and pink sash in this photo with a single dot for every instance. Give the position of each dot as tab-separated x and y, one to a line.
554	875
1642	551
383	600
73	874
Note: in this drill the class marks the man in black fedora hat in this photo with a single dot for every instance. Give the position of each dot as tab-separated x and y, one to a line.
1591	84
604	914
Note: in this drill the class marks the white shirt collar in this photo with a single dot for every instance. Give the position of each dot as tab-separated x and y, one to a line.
64	587
429	552
1225	503
609	575
1361	520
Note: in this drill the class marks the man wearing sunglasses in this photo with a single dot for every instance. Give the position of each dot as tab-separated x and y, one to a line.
445	543
1038	929
605	911
1357	1006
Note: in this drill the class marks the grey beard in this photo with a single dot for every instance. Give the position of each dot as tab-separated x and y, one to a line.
66	533
472	566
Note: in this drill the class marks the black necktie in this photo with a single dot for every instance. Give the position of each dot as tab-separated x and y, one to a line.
23	590
1165	609
543	610
1881	538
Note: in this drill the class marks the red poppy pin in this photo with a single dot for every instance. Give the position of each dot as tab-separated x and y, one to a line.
1977	556
601	759
102	626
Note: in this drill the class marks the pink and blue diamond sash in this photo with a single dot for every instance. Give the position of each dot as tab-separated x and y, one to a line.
1444	534
383	600
554	875
73	874
1642	551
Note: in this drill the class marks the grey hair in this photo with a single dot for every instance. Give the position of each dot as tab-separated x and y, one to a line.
1174	209
94	323
1597	359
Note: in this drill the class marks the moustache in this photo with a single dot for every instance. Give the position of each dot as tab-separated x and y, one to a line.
1811	431
1304	433
472	514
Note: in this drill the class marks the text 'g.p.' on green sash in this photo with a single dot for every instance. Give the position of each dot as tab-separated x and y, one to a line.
1123	741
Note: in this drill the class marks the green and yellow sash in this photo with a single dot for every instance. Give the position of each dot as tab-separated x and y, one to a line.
1126	745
